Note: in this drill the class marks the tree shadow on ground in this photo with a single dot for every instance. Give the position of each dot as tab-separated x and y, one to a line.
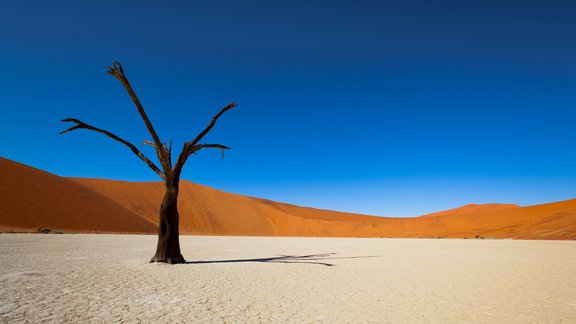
306	259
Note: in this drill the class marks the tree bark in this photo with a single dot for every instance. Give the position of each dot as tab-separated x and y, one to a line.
168	248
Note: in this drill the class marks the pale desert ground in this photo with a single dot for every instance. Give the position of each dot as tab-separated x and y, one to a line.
106	278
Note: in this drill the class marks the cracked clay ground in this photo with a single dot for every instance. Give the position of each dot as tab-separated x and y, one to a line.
106	278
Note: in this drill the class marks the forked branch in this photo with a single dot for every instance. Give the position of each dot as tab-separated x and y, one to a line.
193	146
82	125
188	150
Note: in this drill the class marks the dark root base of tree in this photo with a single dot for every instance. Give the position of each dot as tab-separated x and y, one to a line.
176	260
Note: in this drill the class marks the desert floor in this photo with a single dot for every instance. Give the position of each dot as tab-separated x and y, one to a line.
106	278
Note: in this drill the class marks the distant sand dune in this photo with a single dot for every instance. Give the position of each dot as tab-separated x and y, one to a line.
31	198
473	209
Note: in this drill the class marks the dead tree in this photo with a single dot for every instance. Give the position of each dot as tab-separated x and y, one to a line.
168	248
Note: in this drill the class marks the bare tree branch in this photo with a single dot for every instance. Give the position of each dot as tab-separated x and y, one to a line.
221	147
169	148
147	142
188	150
117	71
198	147
193	146
82	125
212	123
169	153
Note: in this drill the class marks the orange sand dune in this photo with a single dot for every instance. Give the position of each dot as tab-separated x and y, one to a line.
31	198
204	210
118	206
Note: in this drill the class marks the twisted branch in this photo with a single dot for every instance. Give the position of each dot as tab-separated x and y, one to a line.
82	125
117	71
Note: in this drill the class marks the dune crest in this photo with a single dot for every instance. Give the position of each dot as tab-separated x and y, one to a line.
472	208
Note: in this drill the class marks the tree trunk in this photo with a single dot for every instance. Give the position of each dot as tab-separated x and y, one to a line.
168	249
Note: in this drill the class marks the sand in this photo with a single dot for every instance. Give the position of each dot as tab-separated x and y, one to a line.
106	278
31	198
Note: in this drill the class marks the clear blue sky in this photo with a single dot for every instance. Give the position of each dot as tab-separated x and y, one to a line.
387	108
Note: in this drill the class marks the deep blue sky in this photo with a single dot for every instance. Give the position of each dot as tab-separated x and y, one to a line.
395	109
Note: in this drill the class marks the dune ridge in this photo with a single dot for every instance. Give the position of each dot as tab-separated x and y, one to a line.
472	208
100	205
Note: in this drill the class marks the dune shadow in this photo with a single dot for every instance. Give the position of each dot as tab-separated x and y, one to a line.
306	259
